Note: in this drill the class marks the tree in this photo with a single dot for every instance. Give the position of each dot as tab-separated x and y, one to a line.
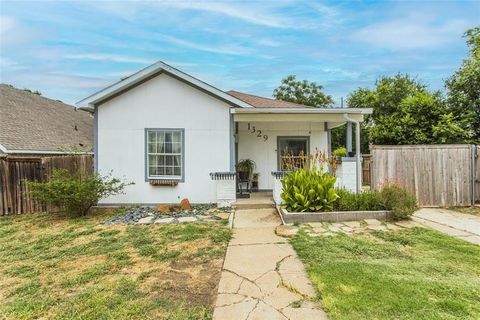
463	88
302	92
405	112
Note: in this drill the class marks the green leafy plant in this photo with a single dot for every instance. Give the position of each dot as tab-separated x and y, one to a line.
74	192
340	152
247	166
397	199
309	190
363	201
390	197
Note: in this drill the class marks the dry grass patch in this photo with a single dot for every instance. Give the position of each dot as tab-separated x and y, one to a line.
54	266
473	210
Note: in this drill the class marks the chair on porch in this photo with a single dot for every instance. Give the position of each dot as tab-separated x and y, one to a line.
244	185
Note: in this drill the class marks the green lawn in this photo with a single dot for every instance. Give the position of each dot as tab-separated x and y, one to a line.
56	267
409	274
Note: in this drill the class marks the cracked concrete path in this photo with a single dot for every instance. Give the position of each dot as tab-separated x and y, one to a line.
455	224
262	277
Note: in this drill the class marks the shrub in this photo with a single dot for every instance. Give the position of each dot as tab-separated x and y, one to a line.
397	199
340	152
308	190
391	197
363	201
74	192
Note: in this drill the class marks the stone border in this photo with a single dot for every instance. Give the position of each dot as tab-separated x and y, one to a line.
334	216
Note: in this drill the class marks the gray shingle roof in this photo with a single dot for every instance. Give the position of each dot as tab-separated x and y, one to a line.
32	122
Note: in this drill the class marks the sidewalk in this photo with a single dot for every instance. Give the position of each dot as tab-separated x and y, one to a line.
262	277
456	224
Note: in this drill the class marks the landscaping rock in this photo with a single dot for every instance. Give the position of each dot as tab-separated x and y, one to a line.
286	231
164	220
185	204
373	222
146	220
163	208
223	215
187	219
175	208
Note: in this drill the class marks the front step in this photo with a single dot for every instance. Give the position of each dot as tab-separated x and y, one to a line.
246	206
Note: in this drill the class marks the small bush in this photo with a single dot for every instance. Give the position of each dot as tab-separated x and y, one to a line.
397	199
392	197
74	192
364	201
340	152
308	190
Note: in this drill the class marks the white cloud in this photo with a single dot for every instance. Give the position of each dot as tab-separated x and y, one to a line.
413	32
225	49
13	32
249	12
108	57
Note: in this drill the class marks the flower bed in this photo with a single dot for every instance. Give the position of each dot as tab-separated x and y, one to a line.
309	195
332	216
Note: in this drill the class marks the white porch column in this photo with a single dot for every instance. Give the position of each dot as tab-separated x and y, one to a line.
348	141
358	156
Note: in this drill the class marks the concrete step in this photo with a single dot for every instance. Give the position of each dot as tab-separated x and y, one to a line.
246	206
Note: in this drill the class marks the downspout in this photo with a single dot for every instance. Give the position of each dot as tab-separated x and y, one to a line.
358	151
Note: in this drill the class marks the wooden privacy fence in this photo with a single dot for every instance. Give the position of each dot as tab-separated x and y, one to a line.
366	174
14	193
439	175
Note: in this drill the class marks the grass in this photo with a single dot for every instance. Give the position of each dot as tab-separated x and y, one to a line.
409	274
58	267
468	210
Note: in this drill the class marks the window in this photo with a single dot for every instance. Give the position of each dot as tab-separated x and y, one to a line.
165	153
292	152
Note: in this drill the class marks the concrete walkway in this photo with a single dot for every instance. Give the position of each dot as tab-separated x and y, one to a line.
456	224
262	277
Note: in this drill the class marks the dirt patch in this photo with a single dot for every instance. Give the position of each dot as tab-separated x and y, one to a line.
195	285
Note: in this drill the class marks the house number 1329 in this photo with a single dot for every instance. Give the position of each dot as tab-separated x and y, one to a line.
252	129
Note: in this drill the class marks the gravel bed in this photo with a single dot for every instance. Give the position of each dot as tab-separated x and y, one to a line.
133	215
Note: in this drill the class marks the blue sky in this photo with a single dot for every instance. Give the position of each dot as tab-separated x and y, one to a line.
69	49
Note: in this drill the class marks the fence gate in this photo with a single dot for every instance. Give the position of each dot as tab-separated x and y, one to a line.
439	175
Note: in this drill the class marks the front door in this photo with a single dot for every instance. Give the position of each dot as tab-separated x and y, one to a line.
291	152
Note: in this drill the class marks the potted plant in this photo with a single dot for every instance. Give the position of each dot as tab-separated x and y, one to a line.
245	168
339	153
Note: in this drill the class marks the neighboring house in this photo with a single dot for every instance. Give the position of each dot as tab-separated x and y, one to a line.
34	125
177	137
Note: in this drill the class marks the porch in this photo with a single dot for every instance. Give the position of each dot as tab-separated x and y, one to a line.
262	135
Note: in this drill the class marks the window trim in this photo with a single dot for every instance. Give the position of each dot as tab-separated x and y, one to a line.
178	179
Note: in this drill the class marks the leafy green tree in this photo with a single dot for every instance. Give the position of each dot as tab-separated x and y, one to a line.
302	92
463	96
405	112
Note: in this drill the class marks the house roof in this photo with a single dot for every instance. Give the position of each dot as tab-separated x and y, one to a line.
262	102
147	73
30	123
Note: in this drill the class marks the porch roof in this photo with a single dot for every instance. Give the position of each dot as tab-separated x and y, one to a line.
305	110
333	116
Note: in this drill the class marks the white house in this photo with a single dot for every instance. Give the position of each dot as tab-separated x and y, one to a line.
177	137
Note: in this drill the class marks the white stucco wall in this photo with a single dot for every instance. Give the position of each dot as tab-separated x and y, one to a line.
264	153
164	102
